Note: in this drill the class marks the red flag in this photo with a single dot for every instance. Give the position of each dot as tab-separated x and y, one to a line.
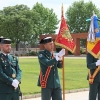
64	39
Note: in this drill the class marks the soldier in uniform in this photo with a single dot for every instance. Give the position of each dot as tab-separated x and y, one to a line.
94	88
10	73
49	78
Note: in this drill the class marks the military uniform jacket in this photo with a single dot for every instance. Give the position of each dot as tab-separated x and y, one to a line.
8	72
46	60
91	64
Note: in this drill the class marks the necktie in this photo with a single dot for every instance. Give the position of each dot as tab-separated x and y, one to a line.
7	56
52	55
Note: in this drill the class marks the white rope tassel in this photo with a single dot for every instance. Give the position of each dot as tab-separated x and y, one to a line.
91	34
93	38
89	37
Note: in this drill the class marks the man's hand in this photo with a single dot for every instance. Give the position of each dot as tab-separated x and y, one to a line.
58	57
61	53
98	63
15	83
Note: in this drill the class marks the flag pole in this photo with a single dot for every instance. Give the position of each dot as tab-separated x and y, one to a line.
64	40
63	78
63	73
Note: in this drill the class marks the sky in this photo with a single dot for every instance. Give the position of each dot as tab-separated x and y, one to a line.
54	4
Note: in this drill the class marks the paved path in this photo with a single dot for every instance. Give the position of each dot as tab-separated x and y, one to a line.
83	95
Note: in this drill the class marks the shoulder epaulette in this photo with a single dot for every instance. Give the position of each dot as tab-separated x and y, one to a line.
14	57
41	51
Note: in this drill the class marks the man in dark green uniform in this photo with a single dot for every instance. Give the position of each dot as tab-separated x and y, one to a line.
49	78
10	73
94	88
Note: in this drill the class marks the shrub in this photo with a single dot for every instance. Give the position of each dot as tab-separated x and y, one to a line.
32	53
82	51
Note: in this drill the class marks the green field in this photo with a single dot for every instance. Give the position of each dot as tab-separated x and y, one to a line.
75	74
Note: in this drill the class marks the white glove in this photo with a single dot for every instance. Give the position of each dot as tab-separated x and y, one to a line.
15	83
60	58
98	63
57	58
61	53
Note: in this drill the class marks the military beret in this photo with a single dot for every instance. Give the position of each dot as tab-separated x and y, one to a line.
1	38
46	40
6	41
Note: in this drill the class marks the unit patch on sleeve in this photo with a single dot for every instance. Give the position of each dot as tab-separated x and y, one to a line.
40	55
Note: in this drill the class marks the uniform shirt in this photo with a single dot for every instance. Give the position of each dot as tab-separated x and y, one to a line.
46	60
91	64
7	72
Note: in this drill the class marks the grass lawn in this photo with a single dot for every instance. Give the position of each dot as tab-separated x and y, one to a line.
75	74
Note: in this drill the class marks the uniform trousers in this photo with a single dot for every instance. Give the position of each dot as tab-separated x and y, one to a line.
94	91
9	96
48	93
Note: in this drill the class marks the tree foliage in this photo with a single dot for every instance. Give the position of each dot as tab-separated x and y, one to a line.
45	20
16	23
22	24
77	13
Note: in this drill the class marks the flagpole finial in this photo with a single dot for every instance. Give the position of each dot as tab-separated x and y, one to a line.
62	11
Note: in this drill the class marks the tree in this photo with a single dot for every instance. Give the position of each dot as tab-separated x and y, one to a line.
22	24
44	20
77	13
16	23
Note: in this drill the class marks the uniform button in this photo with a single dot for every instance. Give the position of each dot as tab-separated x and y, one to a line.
5	67
54	69
54	74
